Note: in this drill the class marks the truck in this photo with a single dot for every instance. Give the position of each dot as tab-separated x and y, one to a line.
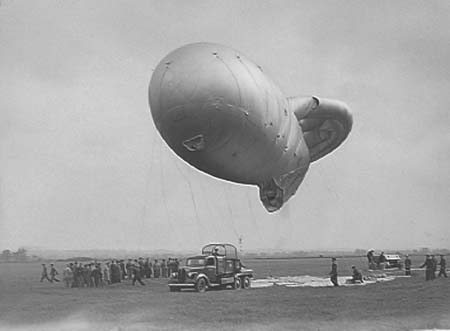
218	267
392	261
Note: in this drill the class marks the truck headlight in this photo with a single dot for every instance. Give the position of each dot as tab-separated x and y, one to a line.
192	274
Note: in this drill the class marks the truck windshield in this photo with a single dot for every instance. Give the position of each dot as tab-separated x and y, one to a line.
195	262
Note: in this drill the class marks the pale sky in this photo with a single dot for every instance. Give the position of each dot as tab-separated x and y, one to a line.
83	166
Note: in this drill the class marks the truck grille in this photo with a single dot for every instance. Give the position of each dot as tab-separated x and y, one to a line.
182	275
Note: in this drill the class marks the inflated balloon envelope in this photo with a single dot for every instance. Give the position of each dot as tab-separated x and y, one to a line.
219	112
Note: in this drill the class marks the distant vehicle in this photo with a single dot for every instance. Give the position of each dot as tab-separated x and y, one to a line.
218	267
392	261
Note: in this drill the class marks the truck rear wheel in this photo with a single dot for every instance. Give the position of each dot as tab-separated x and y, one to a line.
246	282
200	286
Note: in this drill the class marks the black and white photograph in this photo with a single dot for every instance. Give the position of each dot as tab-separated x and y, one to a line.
248	165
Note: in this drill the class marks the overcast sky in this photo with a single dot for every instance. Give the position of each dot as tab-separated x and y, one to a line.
82	165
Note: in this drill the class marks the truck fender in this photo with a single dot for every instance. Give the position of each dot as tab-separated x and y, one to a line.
202	275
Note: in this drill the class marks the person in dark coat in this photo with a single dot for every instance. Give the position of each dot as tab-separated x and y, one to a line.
442	266
357	276
370	259
170	266
156	269
97	275
435	264
136	270
163	268
334	273
141	267
382	261
147	272
123	272
84	280
80	274
76	276
407	265
115	273
87	276
428	264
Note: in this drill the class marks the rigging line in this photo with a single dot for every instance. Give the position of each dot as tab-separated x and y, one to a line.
164	195
253	218
197	218
146	190
208	206
231	213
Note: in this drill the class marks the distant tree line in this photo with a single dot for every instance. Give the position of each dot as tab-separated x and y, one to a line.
18	256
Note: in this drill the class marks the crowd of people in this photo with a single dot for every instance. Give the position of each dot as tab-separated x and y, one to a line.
430	264
97	274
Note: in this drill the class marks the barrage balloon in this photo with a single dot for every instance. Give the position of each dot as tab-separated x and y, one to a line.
219	112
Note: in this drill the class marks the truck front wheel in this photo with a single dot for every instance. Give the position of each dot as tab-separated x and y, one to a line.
201	285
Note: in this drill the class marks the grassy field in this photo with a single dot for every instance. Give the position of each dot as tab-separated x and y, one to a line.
402	304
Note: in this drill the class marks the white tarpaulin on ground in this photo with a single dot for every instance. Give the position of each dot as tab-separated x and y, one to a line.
311	281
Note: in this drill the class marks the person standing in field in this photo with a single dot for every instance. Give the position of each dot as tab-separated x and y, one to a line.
75	274
435	264
86	275
150	268
128	268
44	274
370	259
141	267
442	266
334	273
106	274
382	261
170	267
68	275
407	265
115	273
80	271
163	268
147	268
428	264
156	269
96	275
123	272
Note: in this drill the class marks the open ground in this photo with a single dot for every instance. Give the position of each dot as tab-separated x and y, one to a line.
402	304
